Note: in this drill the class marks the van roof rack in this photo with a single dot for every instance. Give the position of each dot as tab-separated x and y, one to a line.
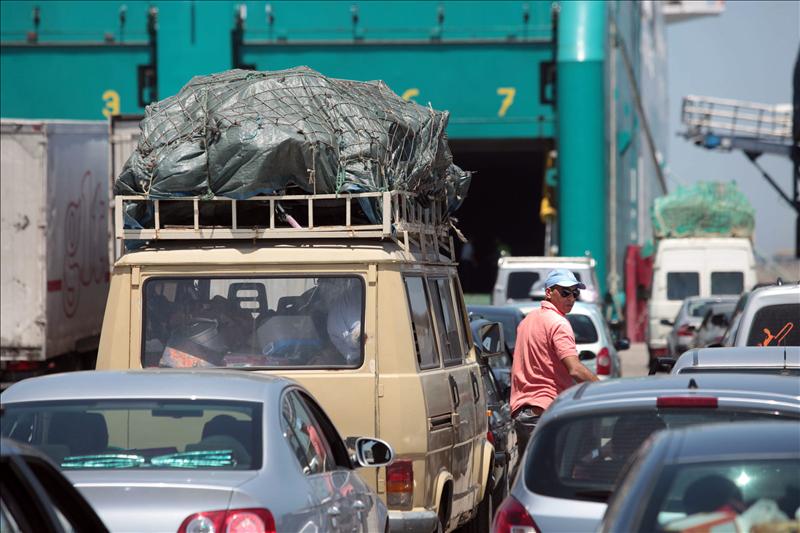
404	220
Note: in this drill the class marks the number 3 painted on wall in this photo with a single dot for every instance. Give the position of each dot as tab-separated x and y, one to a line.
111	98
508	94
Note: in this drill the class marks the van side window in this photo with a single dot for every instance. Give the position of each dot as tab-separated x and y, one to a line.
444	311
463	316
681	285
727	282
427	356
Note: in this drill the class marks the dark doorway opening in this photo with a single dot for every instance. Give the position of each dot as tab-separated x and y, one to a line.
501	212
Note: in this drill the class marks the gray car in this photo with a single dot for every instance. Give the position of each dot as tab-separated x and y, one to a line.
688	319
750	359
720	477
586	436
175	450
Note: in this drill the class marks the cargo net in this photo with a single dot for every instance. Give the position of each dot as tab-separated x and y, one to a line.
242	133
707	209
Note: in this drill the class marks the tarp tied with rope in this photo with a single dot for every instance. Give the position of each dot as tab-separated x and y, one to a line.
243	133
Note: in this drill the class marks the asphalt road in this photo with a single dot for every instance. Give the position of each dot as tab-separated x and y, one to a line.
634	360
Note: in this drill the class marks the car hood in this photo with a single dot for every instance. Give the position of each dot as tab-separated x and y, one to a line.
155	501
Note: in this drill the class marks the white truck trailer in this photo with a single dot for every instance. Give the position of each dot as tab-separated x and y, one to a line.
55	244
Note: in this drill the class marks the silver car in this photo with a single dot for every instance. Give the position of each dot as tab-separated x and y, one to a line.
175	450
721	477
594	341
750	359
587	435
688	319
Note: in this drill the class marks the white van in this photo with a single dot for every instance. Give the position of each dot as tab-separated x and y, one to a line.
694	267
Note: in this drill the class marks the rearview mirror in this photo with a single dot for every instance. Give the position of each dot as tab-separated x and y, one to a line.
663	364
492	341
665	322
622	344
586	355
368	451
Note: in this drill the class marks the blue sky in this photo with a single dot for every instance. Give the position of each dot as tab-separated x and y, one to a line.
746	53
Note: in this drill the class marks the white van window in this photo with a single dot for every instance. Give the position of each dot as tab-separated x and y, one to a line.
681	285
427	356
776	325
283	322
519	285
727	282
445	319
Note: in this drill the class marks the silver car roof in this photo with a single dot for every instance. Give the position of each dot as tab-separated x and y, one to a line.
152	383
740	356
749	389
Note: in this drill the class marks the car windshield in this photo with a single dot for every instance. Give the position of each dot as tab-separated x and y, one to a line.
776	325
582	326
697	308
284	322
581	457
153	434
764	494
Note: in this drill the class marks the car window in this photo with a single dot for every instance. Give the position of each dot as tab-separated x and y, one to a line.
152	434
519	284
727	282
445	321
697	308
697	491
462	317
583	327
418	304
776	325
284	322
305	436
581	457
681	285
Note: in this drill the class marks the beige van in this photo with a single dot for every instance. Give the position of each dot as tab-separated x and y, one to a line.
370	318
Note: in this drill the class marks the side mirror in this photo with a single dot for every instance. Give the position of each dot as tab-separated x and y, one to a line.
622	344
665	322
663	364
492	341
586	355
368	451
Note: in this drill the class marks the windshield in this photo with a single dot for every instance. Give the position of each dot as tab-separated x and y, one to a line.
582	457
776	325
155	434
253	322
764	494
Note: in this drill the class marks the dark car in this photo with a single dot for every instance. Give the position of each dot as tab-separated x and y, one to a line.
37	497
509	318
501	428
716	477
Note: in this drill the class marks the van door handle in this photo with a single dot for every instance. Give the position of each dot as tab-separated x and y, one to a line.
454	391
476	390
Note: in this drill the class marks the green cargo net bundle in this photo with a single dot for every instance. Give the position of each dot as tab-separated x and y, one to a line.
706	209
239	134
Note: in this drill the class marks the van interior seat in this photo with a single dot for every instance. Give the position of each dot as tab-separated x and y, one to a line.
81	433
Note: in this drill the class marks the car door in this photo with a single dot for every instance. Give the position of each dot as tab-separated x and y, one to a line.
329	481
465	385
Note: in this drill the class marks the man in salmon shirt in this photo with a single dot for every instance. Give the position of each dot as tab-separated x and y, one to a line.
545	358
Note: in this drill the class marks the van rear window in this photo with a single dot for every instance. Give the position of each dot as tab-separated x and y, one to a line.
776	325
727	282
681	285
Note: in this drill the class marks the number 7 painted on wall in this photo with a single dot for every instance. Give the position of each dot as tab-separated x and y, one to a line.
508	94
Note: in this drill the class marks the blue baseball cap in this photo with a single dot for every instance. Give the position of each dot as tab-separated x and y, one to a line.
563	278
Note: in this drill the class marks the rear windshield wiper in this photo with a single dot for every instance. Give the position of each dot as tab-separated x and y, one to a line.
597	495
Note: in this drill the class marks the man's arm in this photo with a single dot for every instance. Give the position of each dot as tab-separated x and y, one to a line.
577	369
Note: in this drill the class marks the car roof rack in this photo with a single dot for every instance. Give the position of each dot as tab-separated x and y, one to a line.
418	228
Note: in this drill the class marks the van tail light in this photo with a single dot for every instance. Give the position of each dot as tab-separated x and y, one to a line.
686	331
400	485
252	520
512	517
603	362
687	401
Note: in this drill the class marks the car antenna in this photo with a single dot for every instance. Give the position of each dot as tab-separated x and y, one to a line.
692	384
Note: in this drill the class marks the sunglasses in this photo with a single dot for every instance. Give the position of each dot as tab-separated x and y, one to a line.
568	292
